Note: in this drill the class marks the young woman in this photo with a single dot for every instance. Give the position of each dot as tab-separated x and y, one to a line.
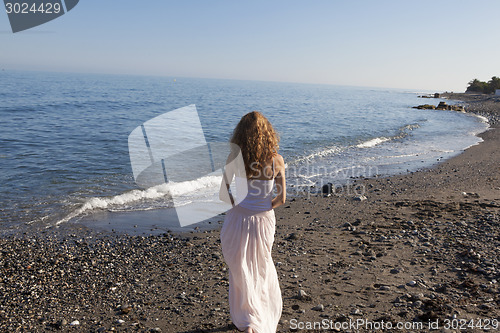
247	235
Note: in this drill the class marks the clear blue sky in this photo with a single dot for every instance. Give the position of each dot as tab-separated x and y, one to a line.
429	45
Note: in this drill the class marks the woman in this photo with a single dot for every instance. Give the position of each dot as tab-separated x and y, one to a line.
247	235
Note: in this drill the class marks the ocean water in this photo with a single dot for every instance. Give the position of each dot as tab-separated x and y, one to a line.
64	152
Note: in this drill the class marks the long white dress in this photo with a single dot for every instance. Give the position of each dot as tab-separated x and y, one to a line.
247	238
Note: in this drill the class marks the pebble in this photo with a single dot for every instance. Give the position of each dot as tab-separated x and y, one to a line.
319	307
357	312
74	323
62	322
303	296
125	308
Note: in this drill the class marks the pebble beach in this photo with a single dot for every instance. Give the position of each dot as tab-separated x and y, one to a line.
413	249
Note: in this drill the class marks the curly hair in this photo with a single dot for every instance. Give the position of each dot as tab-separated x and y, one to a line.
258	141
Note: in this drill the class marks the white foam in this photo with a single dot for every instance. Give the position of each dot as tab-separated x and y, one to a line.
124	200
372	142
482	118
321	153
401	156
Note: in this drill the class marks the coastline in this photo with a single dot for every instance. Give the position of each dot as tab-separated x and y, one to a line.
480	104
417	249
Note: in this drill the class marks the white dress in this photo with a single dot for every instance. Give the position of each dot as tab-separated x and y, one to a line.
247	238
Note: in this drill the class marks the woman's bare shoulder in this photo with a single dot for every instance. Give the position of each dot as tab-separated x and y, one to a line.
279	160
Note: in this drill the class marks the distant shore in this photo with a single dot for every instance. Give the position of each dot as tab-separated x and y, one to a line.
418	248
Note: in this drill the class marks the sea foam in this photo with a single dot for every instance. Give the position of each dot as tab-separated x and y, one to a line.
185	191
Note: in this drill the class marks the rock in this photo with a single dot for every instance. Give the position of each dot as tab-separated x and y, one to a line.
395	271
400	299
412	283
125	308
293	236
303	296
319	307
360	198
357	312
327	189
470	195
417	297
486	306
120	321
442	106
61	323
74	323
425	107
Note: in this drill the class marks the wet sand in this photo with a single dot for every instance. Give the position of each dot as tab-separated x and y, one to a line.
422	247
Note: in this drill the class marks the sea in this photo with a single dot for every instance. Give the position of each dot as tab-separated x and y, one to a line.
65	155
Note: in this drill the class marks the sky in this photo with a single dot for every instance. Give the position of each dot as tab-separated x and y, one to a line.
425	45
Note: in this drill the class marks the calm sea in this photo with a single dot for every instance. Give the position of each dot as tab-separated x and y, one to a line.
64	137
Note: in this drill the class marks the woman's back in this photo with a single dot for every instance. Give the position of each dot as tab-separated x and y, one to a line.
258	190
258	193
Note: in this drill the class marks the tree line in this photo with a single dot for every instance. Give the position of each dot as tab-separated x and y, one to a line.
484	87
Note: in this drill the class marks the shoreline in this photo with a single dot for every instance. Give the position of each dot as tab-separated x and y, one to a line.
422	246
480	104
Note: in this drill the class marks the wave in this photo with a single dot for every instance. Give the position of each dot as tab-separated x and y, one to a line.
483	119
372	142
332	150
321	153
131	200
403	132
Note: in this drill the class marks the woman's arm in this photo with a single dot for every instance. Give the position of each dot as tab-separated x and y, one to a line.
280	197
227	177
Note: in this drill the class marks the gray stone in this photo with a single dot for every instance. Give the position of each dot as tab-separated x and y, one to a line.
319	307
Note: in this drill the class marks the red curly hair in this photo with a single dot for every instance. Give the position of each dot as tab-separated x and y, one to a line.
258	141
